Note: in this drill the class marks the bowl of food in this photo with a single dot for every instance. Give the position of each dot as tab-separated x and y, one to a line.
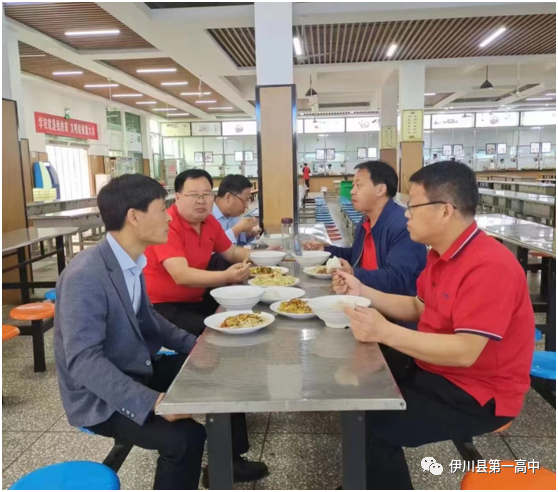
267	258
274	280
319	271
274	294
265	270
330	309
239	322
312	258
272	239
238	297
293	308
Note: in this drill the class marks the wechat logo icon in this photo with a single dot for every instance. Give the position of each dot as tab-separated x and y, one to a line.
430	464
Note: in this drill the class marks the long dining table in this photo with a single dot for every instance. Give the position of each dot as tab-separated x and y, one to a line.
289	366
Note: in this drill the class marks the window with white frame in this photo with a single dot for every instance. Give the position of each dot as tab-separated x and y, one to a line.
72	167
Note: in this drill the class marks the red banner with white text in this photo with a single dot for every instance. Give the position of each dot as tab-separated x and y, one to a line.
63	127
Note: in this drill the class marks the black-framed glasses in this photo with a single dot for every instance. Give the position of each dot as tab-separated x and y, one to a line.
409	207
244	202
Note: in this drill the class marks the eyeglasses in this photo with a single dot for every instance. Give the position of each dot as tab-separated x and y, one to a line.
244	202
195	197
409	206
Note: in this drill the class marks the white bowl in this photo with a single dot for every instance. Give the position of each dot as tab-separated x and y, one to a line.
275	308
312	258
275	294
252	281
272	239
308	271
267	258
282	270
238	297
330	309
214	322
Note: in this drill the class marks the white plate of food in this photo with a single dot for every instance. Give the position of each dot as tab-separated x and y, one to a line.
274	280
319	271
265	270
239	322
294	308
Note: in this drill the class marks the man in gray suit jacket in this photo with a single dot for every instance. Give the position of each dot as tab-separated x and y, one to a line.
107	336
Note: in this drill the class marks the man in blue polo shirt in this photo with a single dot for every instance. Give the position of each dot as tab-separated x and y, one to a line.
383	256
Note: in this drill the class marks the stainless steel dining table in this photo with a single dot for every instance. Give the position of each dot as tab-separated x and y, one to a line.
289	366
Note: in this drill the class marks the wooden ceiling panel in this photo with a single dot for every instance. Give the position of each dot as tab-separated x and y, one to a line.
55	19
415	39
130	67
36	62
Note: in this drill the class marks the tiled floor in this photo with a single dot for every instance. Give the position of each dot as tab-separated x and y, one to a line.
302	450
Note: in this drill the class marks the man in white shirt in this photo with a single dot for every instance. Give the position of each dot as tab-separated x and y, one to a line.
230	203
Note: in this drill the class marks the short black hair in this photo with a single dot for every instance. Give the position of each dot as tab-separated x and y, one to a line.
452	182
123	193
191	174
381	173
234	184
305	163
434	155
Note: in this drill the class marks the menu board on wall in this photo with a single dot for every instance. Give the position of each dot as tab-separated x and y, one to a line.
458	150
330	154
239	128
446	150
412	122
134	141
238	156
536	118
372	153
324	125
361	153
175	129
206	129
546	147
208	157
458	120
320	154
198	157
367	124
388	137
535	148
485	120
490	149
502	149
248	155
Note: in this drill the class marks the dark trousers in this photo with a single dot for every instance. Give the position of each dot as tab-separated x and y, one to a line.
307	183
437	410
180	444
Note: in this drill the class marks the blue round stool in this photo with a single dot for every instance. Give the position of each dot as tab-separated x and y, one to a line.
538	335
544	365
70	475
50	295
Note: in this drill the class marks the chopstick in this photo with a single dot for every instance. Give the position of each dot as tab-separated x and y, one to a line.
245	260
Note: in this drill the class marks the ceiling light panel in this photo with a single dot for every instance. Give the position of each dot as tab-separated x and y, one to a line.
146	102
99	86
101	32
492	37
179	114
127	95
155	70
164	109
206	102
391	50
69	72
297	46
174	83
195	94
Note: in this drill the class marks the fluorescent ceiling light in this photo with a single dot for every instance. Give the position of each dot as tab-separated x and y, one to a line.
174	83
180	114
539	99
551	94
430	94
206	102
222	107
297	46
391	50
31	56
99	86
492	37
146	102
164	109
103	32
127	95
195	93
155	70
75	72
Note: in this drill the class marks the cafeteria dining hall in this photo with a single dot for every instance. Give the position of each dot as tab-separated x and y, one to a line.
278	245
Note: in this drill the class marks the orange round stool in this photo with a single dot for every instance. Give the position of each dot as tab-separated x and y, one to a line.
37	313
9	332
503	428
507	479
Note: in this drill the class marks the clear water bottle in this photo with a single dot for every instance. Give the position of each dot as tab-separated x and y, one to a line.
287	235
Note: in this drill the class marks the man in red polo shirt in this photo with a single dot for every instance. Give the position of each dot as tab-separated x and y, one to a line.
465	371
178	273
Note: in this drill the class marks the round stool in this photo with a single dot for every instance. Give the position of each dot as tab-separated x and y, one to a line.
538	335
507	479
503	428
9	332
37	313
544	365
71	475
50	295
